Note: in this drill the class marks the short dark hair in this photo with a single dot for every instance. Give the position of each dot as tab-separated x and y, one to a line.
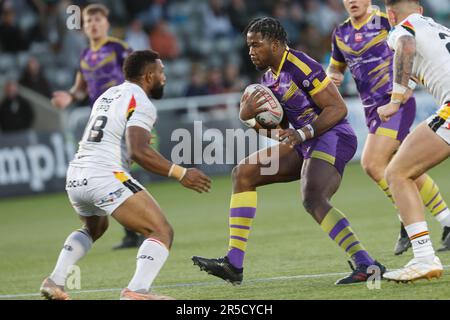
136	63
394	2
270	28
96	8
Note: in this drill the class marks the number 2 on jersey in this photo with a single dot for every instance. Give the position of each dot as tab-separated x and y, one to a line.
444	36
96	131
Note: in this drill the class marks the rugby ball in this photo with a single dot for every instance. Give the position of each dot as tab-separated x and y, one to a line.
274	115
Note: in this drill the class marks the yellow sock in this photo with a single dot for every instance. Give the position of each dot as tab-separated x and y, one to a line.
432	198
242	213
385	188
338	228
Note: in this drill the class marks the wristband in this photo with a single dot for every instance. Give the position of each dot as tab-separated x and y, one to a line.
399	89
251	123
177	172
398	93
311	129
302	134
412	84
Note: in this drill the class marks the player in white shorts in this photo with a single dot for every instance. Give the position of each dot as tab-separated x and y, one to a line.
422	52
99	183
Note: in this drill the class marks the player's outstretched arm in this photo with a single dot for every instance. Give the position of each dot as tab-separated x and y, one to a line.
62	99
405	52
138	144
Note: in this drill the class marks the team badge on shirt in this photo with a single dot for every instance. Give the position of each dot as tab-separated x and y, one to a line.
358	37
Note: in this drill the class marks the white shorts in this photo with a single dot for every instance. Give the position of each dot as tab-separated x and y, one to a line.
94	192
440	122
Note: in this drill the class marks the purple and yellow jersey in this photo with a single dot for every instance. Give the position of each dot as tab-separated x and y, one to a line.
101	67
297	79
364	49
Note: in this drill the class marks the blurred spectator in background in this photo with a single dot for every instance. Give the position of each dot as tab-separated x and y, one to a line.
312	43
332	15
117	10
239	14
12	39
135	7
164	41
27	17
197	84
216	21
325	16
53	23
440	8
136	37
232	80
153	13
281	11
15	112
215	81
33	78
215	85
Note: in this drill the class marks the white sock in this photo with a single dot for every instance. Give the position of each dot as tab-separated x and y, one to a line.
421	241
76	246
444	218
150	258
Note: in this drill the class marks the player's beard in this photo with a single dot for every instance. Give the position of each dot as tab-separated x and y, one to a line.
261	69
157	93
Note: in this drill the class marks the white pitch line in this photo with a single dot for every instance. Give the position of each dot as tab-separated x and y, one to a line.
192	284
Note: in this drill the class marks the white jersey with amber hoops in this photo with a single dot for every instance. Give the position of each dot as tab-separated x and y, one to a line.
432	60
103	144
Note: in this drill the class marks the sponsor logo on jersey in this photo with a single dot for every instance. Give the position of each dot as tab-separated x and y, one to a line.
76	183
359	37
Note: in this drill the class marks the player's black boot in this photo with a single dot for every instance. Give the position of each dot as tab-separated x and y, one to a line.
360	274
130	240
445	240
403	242
221	268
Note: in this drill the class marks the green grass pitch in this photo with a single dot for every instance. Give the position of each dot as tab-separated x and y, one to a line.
288	255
